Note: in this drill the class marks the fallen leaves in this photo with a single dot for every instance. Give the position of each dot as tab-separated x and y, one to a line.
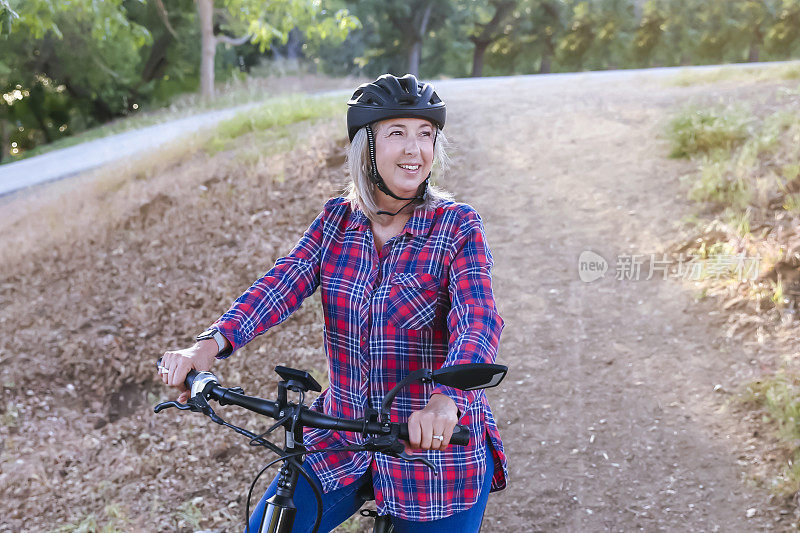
92	308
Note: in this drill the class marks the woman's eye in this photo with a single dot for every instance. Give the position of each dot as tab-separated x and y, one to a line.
397	132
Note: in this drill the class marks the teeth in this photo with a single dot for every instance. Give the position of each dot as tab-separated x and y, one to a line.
410	167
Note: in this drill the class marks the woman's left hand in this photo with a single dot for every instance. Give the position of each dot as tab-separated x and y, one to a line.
439	417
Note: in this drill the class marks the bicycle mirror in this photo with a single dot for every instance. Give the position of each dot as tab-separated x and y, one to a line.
470	376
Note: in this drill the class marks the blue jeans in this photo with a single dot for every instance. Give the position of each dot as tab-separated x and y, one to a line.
340	504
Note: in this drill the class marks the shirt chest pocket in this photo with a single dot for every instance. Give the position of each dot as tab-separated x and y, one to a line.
412	300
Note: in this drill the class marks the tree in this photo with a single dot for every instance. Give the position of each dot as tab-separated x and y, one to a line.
396	32
529	37
785	31
649	32
579	37
487	30
63	61
753	18
261	24
549	29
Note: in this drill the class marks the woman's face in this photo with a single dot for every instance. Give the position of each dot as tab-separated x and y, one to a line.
404	153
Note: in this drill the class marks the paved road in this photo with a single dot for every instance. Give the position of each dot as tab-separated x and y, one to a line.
93	154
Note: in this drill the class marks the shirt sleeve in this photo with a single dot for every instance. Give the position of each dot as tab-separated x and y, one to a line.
473	320
276	295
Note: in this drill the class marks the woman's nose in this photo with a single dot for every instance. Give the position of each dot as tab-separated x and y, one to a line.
412	146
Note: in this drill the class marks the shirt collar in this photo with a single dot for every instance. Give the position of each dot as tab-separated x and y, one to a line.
419	223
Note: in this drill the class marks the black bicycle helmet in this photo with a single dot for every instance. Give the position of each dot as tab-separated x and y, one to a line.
393	97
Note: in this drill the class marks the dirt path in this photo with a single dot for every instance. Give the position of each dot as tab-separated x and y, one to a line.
609	414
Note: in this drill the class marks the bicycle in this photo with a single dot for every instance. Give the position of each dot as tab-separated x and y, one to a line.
383	436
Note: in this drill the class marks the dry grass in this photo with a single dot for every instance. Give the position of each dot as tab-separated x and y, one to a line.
746	187
738	74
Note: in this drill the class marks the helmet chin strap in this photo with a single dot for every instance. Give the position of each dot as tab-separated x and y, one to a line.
377	179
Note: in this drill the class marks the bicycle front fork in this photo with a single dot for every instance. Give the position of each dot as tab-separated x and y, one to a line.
280	511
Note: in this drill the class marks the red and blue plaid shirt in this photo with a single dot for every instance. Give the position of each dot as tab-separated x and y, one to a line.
424	301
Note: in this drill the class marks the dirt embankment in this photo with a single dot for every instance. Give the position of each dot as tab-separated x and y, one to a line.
609	415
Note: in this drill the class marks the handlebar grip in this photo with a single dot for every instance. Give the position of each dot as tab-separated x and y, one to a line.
460	435
189	377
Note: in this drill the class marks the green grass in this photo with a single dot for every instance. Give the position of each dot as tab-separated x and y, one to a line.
271	120
694	131
10	417
743	73
117	522
742	161
721	181
779	395
739	221
189	514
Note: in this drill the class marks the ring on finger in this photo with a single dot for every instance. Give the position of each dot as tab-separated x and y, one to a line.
440	438
163	370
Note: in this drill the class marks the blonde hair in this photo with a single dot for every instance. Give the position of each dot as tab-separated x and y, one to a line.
361	190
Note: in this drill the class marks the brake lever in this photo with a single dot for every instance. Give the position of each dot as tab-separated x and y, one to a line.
415	458
390	445
197	404
166	405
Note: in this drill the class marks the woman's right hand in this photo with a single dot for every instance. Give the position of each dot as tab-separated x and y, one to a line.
178	363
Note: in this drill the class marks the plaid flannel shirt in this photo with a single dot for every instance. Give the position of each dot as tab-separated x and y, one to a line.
424	301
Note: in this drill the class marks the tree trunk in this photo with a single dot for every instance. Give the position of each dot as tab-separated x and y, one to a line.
413	58
415	52
205	9
157	60
752	56
477	58
546	65
294	45
4	140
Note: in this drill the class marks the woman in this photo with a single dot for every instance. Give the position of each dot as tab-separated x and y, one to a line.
404	275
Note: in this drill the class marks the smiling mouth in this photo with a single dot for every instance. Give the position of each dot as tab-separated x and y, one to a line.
410	167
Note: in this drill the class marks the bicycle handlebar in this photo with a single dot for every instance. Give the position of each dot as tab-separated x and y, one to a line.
208	385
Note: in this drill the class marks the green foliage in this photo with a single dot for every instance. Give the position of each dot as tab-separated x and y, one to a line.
69	65
702	131
786	28
649	32
390	30
79	63
271	22
7	17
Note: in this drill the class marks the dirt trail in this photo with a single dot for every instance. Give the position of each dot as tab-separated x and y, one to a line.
609	414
